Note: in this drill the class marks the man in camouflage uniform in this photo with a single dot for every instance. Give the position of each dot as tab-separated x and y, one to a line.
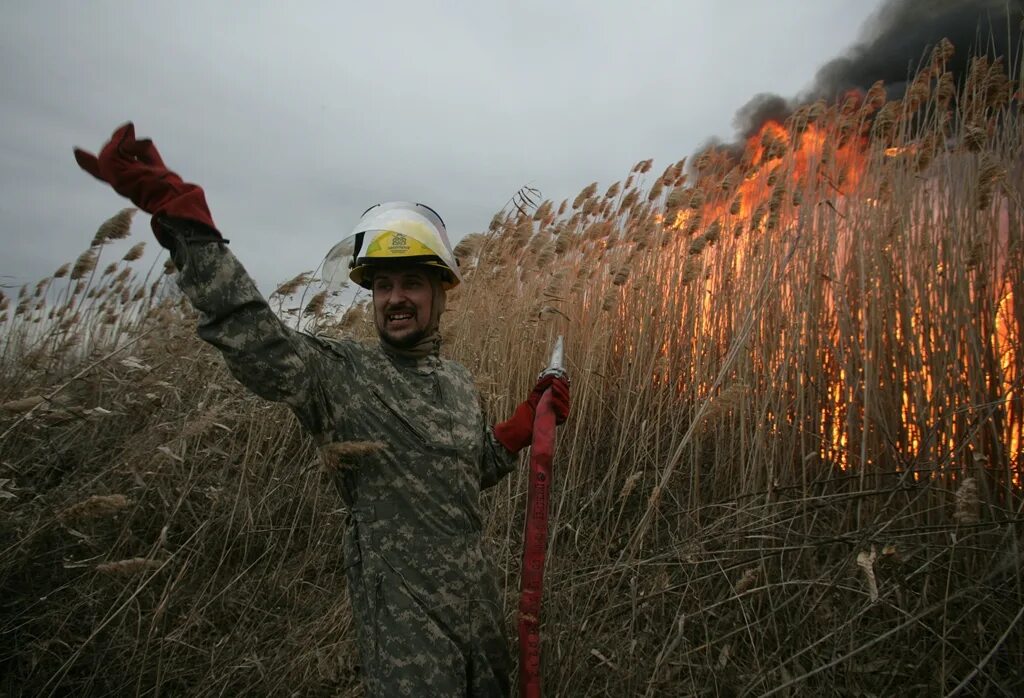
424	595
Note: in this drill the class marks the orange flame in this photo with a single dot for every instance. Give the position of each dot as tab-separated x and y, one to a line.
762	191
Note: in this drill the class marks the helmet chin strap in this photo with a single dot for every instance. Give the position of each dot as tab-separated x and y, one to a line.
437	303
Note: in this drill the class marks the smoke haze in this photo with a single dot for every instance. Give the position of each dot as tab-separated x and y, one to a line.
893	42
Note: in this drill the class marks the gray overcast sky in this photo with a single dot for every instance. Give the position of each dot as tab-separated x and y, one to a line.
294	117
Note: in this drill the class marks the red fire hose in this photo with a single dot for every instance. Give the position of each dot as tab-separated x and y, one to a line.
536	537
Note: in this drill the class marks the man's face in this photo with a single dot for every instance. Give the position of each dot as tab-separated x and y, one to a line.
402	300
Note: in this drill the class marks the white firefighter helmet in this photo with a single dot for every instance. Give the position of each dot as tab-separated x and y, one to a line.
390	233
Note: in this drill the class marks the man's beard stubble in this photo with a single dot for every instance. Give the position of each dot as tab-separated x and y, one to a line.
407	342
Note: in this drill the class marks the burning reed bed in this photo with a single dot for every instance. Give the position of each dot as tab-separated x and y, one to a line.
793	465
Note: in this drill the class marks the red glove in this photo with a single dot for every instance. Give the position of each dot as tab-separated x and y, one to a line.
135	170
516	433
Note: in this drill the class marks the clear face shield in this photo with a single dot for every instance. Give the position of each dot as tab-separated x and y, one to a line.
337	263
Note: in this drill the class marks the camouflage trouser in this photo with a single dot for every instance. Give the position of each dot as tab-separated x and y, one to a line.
428	616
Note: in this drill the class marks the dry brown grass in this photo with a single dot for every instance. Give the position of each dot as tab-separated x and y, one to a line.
348	454
792	467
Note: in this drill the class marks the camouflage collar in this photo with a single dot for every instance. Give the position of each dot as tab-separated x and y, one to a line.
426	347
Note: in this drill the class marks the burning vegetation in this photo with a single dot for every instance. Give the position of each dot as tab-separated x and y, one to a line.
793	464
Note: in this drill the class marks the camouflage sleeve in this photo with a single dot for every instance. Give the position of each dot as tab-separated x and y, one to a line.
496	461
270	359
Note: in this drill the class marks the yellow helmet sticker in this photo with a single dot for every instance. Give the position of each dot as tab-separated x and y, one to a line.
390	244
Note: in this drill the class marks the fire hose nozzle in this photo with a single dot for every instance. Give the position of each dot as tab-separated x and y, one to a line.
556	367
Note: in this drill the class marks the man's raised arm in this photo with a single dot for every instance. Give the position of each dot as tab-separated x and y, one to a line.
267	357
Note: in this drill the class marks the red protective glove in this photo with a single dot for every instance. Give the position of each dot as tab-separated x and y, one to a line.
516	432
135	170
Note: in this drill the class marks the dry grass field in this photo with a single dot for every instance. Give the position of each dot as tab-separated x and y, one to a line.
792	468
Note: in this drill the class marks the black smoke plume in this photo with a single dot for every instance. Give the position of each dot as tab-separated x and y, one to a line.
893	43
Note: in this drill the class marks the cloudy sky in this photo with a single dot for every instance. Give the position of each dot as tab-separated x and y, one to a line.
295	117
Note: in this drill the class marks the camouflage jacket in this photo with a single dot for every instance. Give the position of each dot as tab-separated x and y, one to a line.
438	452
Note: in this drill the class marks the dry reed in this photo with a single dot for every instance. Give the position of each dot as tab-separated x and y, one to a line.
95	507
128	567
340	455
